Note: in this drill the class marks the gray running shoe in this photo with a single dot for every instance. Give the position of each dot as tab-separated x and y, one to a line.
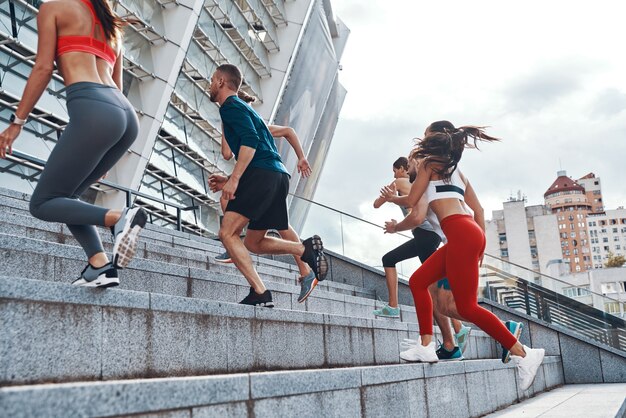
314	256
307	284
223	258
105	276
125	235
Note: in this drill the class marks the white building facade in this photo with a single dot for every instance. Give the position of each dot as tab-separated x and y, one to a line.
607	234
288	51
527	236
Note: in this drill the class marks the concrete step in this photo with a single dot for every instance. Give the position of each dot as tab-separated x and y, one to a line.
160	244
36	259
461	389
57	332
341	271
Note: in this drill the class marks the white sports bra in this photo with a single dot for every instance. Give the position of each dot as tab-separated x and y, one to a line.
438	189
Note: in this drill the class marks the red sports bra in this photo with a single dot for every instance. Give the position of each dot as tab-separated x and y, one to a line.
89	44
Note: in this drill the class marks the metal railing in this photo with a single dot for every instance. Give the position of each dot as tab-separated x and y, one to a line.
508	284
144	199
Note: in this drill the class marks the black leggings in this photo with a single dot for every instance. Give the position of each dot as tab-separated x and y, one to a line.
423	245
102	127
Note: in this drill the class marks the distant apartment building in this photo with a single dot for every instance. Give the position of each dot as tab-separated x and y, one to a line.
603	289
568	200
593	191
607	234
527	236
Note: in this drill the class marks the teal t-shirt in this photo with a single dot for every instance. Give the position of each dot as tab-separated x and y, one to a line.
244	127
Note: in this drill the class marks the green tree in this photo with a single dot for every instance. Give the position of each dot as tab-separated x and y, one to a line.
615	260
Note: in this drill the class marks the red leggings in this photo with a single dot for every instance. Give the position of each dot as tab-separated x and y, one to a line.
458	260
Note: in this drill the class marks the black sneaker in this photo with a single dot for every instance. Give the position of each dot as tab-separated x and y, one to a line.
254	299
314	256
105	276
445	355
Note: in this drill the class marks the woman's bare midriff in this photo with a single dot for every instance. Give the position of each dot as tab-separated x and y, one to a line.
447	207
81	66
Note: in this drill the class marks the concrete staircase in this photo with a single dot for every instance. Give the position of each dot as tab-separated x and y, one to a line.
172	341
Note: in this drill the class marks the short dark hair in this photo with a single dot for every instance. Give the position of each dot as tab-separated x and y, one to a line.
233	75
401	162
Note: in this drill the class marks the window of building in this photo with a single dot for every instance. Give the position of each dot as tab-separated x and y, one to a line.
618	247
504	253
609	287
572	235
575	292
603	231
605	239
606	248
613	221
578	268
615	239
615	230
586	258
566	252
602	223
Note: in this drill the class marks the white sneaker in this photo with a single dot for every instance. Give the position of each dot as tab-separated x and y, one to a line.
426	354
527	366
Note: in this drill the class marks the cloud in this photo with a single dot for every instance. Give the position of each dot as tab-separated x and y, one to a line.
609	103
545	86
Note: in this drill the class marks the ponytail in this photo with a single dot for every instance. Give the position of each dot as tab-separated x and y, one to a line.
445	149
111	24
245	96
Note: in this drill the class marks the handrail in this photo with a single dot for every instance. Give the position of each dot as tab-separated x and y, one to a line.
40	164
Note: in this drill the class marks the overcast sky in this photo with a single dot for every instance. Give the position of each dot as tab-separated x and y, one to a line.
548	77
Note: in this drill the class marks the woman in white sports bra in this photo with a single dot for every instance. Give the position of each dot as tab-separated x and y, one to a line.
459	258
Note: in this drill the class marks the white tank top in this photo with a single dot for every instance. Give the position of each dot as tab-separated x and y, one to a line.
438	189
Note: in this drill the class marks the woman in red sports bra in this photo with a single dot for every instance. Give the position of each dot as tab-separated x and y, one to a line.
83	37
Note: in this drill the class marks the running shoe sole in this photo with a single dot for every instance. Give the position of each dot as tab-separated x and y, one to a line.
453	359
516	333
382	315
102	282
320	260
126	242
223	260
313	284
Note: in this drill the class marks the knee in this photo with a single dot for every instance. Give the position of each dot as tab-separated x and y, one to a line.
34	208
388	260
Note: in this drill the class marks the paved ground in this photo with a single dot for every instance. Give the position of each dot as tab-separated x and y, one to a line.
584	401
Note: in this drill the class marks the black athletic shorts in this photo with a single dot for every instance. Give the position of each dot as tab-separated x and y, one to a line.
262	197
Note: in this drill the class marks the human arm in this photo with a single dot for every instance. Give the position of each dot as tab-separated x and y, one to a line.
471	199
381	199
230	187
227	153
413	219
418	187
39	77
290	135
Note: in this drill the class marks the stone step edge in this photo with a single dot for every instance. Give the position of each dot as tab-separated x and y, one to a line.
30	290
40	291
60	250
121	397
191	251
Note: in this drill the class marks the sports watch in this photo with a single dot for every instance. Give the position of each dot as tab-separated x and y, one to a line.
17	121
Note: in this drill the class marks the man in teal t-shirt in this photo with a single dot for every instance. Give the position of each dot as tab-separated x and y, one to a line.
256	192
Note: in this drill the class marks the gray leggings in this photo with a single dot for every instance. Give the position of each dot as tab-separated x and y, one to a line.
102	127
